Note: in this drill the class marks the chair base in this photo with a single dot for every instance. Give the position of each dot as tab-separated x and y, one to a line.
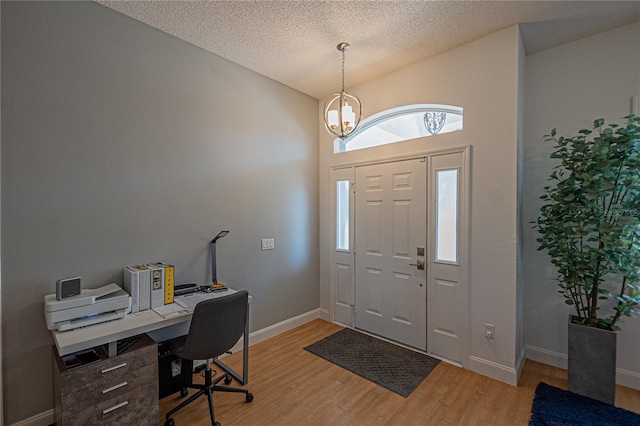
208	388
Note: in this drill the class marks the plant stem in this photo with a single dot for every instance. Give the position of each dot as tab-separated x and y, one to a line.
615	185
593	306
584	300
618	310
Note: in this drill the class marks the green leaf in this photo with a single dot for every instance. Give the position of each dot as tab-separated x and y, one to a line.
590	221
590	195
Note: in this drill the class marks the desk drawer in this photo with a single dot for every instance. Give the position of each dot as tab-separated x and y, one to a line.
118	390
136	407
143	353
109	388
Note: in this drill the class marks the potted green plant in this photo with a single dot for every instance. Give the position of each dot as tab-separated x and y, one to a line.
590	226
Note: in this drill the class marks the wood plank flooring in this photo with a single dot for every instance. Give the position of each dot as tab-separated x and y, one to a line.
294	387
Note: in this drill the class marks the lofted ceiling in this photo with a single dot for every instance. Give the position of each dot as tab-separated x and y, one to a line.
294	42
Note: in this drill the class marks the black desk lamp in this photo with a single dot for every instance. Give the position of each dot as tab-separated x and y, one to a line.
214	279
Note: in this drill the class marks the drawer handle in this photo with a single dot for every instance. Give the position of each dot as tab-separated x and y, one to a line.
115	407
115	367
112	388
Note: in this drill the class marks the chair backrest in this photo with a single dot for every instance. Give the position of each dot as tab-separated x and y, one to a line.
217	324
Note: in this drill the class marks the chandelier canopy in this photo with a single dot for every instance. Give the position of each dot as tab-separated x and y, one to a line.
340	118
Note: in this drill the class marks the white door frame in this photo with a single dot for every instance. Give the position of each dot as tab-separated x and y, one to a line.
465	221
461	309
341	261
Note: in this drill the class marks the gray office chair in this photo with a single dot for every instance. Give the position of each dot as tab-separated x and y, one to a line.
217	324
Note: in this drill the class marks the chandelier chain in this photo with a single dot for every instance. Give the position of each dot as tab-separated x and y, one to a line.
343	70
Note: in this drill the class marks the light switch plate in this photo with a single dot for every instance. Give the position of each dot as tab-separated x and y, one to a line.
268	244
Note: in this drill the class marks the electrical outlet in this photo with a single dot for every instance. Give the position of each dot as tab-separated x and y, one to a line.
490	331
268	244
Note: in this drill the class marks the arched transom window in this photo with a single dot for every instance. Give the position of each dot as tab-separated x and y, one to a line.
401	124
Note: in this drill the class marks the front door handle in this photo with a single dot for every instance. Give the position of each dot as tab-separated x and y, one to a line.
419	265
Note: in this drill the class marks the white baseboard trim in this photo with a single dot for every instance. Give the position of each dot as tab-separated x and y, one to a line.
546	356
47	417
630	379
494	370
279	328
627	378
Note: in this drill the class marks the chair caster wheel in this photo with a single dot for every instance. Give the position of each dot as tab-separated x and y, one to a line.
169	422
227	380
184	392
249	397
216	424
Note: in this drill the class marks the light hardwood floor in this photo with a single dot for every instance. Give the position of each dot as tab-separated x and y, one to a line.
294	387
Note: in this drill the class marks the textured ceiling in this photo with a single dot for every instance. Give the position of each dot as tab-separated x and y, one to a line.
294	42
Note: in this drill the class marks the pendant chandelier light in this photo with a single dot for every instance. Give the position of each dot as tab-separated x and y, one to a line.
340	117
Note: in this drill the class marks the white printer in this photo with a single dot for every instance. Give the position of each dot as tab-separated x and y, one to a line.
91	306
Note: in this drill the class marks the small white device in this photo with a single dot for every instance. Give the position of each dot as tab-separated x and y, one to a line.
68	287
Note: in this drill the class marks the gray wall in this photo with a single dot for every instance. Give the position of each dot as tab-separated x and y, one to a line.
567	88
124	145
1	397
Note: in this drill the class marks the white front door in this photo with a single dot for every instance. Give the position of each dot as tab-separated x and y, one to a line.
390	234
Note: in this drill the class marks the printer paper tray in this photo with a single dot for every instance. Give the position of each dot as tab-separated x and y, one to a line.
97	319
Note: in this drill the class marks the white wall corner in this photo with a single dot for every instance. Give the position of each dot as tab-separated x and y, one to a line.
324	314
520	365
494	370
635	105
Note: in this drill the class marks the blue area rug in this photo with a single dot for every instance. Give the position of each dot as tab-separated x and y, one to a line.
556	407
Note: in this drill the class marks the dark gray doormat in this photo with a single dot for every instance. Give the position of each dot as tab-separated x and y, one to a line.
395	368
